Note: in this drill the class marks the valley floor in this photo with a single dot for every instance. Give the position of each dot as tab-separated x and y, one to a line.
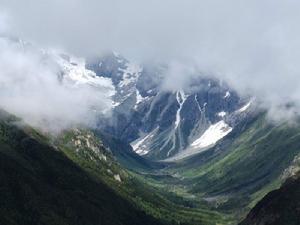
229	179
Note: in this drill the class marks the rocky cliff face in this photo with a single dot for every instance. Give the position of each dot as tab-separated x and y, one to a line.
161	124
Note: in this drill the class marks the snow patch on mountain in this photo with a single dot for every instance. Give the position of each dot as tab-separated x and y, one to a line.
180	97
126	87
140	145
130	74
227	94
209	138
212	135
245	107
222	114
75	70
139	99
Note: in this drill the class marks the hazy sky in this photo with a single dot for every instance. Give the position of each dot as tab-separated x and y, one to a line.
160	29
254	44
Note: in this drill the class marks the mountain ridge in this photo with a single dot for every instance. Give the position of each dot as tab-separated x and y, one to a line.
159	123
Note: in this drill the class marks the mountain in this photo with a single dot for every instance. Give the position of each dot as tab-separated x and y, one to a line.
197	155
41	185
279	207
98	154
231	177
74	179
215	144
159	123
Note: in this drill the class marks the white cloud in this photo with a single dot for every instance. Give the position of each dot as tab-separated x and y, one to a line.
254	45
31	89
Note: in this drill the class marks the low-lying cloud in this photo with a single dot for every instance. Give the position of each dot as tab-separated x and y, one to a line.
253	45
31	88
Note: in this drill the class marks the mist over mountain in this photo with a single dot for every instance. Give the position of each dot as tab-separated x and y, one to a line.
247	44
149	112
33	87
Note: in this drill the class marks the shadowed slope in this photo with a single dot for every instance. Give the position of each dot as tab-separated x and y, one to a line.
39	185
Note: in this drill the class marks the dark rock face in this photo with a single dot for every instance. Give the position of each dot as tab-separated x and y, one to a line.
167	121
279	207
